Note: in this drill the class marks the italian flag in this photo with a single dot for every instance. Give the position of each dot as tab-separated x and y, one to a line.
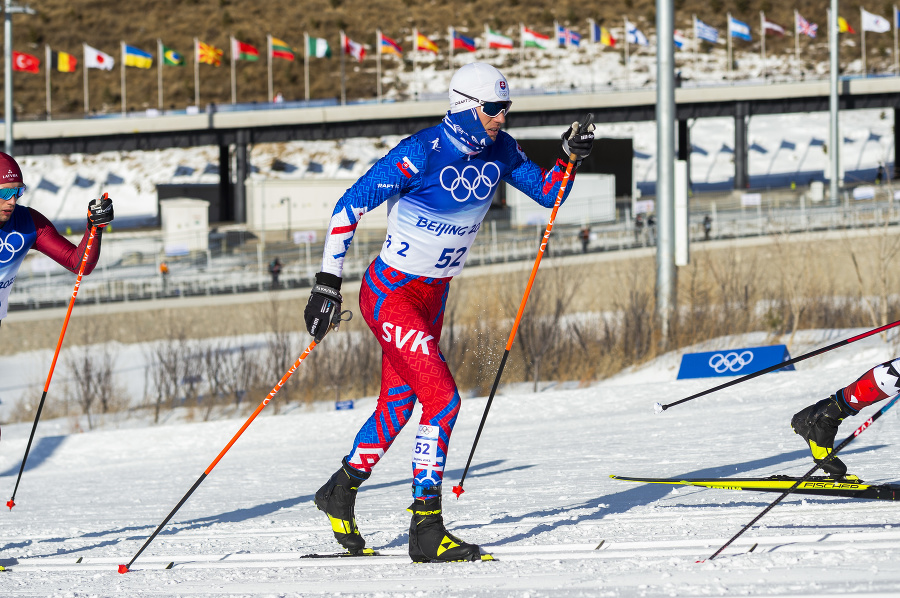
533	39
281	50
242	51
495	39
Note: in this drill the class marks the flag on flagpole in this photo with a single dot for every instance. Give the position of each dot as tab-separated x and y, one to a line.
25	62
423	44
389	46
605	38
208	54
63	62
171	57
567	37
461	42
533	39
706	32
807	28
354	49
495	39
95	59
873	22
280	49
773	27
318	48
243	51
137	58
634	35
679	39
844	26
739	29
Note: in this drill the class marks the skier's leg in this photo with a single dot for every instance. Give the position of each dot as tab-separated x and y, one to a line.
818	423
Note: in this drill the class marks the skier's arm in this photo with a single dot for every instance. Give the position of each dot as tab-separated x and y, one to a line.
398	172
540	185
59	249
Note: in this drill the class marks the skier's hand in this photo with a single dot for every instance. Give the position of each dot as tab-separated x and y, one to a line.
100	212
323	305
578	139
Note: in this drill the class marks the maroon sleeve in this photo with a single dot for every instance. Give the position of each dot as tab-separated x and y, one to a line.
59	249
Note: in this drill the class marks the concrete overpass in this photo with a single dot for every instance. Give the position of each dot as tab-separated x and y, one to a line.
239	128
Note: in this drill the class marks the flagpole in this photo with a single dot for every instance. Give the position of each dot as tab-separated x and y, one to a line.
306	65
233	84
378	64
522	41
159	66
85	69
896	59
627	57
415	49
47	60
796	35
269	66
197	73
696	43
122	48
730	61
762	33
450	41
343	59
862	35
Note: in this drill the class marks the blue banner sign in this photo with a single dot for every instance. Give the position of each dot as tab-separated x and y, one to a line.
342	405
733	362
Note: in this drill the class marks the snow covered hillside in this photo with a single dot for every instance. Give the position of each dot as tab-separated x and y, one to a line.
538	496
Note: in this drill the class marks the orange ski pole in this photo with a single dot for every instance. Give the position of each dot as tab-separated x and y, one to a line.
87	251
458	489
290	372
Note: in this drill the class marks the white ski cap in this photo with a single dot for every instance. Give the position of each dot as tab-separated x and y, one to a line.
479	80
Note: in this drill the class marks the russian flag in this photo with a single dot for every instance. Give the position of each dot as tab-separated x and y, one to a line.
461	42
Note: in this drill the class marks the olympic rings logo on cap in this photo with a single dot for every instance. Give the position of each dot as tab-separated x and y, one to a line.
733	361
7	246
473	181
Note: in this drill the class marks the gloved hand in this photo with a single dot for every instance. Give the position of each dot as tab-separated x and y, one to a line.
579	139
324	303
100	212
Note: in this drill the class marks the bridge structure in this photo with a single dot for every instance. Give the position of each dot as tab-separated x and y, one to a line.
237	129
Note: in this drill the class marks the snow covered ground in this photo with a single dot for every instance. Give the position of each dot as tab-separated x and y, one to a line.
538	496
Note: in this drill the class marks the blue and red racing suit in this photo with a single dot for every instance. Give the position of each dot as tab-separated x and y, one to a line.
28	228
879	383
437	197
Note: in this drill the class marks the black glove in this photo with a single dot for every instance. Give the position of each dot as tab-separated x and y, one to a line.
100	212
323	305
579	139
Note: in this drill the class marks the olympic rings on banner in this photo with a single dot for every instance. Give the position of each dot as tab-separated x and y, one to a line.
722	362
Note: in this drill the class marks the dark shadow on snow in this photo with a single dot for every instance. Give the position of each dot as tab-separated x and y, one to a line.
40	452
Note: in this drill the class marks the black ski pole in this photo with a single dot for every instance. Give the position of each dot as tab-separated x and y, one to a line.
587	126
62	334
809	474
659	408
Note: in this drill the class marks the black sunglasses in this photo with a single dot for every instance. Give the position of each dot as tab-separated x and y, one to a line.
490	109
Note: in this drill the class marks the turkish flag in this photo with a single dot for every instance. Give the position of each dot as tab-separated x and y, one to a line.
26	62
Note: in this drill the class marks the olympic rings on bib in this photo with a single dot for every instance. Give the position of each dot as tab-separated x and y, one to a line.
473	181
7	249
722	362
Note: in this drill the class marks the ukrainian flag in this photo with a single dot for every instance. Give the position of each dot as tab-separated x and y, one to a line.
137	58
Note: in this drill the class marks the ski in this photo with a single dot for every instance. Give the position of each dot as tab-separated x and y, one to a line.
846	487
337	555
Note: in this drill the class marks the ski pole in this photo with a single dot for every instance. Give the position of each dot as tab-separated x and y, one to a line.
87	251
588	120
659	408
125	568
809	474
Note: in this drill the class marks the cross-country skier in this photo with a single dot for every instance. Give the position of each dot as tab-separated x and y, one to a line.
22	228
439	184
818	423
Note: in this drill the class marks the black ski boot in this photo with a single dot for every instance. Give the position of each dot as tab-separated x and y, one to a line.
818	425
337	498
429	540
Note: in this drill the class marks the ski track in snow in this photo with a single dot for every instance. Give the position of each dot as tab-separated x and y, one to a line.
538	495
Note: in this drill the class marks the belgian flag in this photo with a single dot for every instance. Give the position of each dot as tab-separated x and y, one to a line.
63	62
